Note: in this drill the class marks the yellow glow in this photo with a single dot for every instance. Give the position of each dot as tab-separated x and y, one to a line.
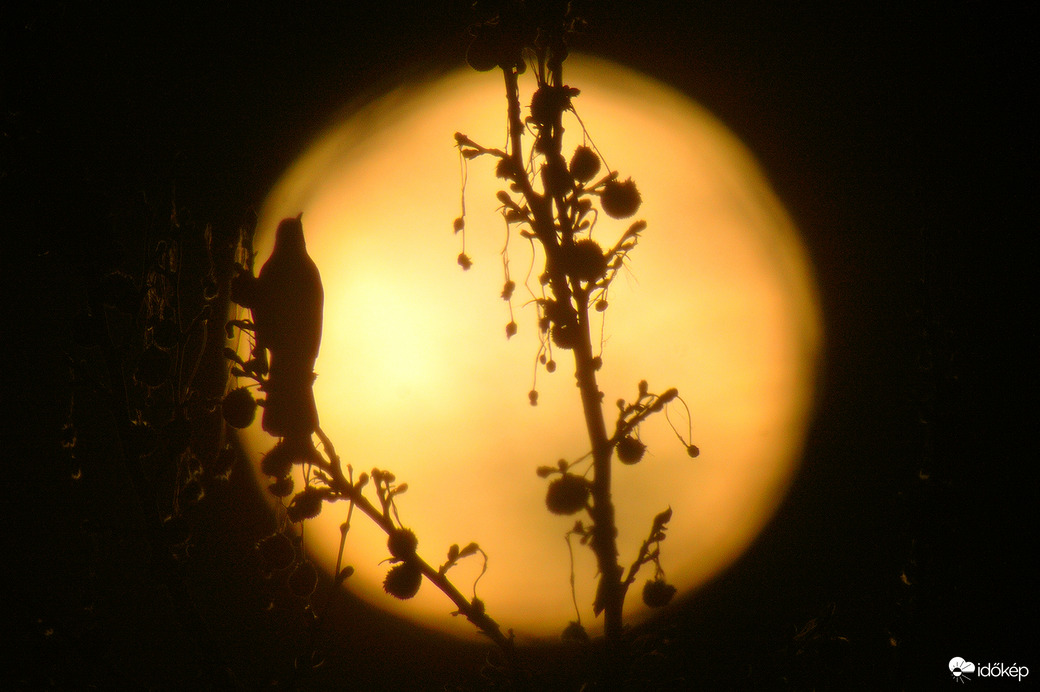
416	376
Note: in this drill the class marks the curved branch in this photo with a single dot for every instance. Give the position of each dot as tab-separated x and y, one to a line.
473	610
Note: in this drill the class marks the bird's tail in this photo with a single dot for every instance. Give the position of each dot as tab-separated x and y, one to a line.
290	410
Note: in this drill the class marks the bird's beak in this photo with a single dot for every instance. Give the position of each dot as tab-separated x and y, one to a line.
299	216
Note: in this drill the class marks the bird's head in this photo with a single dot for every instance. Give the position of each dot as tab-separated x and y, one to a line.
289	235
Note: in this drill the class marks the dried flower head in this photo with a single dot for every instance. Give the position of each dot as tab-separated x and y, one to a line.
403	580
620	199
585	261
630	449
567	494
584	164
306	504
239	408
549	102
657	593
278	462
282	487
276	551
402	543
565	336
556	179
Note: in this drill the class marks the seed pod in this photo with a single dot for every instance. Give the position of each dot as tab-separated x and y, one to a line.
620	199
548	102
574	632
306	504
276	551
564	336
282	487
402	543
584	164
239	408
505	169
403	580
278	461
222	463
657	593
556	179
585	261
567	494
481	54
630	450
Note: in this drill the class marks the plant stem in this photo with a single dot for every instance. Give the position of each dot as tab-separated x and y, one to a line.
610	592
473	612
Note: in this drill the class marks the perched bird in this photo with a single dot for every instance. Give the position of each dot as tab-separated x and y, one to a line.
286	300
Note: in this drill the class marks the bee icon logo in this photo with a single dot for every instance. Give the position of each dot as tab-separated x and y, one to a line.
960	669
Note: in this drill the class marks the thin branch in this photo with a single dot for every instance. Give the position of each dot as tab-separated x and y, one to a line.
473	609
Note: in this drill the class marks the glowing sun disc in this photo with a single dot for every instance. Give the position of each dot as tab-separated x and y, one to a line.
416	375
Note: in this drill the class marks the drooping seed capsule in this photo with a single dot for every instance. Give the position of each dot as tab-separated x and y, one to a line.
402	543
657	593
620	199
239	408
584	164
403	580
276	551
567	494
630	450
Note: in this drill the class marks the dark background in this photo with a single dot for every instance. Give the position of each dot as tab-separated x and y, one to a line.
896	135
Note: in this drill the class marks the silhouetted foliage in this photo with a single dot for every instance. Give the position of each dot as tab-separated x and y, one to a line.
553	204
133	577
549	202
288	338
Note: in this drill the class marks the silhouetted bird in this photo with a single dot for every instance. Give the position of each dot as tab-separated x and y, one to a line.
286	301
